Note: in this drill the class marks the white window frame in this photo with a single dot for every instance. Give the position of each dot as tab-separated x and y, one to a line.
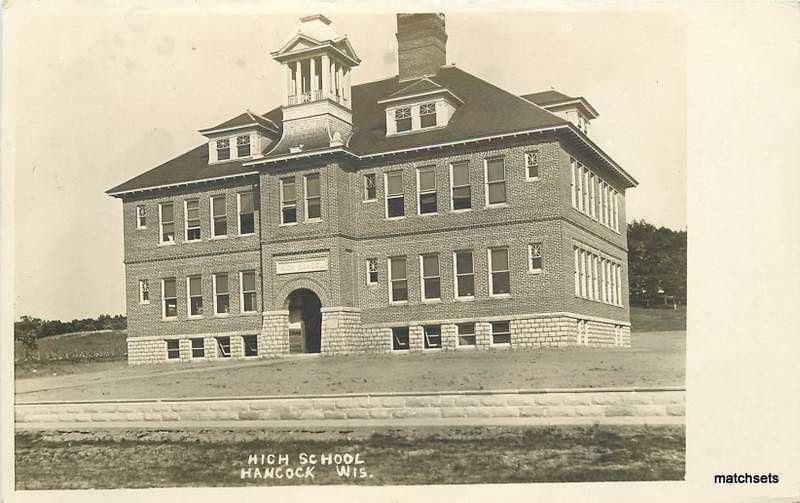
426	340
240	144
573	182
420	192
217	149
141	215
474	335
242	291
367	263
408	336
422	277
492	334
453	187
491	271
538	247
214	292
528	156
576	252
436	118
186	221
201	348
144	286
592	181
579	187
456	275
189	314
366	198
166	343
392	280
161	224
306	198
224	198
386	195
410	116
283	202
164	300
239	212
486	182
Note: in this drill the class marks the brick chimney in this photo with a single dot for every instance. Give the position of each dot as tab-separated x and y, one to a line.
421	41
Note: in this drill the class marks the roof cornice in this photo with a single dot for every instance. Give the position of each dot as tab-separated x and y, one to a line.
120	193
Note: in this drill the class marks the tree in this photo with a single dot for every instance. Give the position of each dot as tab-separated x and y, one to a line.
656	262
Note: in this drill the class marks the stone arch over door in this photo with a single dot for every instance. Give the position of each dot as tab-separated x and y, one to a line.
282	295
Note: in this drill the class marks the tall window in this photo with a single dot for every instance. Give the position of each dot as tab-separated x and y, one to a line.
460	187
532	165
426	190
431	280
579	192
370	189
198	347
141	217
247	282
372	271
501	333
465	274
219	217
288	201
173	349
398	282
402	119
535	257
395	201
313	198
592	183
466	334
194	290
577	253
192	208
169	299
166	216
495	181
144	291
247	221
427	115
400	340
223	149
573	182
243	145
433	336
586	208
222	298
499	275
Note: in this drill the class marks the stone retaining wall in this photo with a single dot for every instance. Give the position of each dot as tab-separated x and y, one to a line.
601	403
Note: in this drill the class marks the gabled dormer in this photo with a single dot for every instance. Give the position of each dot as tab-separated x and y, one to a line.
420	106
246	136
574	109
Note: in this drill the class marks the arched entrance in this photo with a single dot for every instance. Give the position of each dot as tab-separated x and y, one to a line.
305	321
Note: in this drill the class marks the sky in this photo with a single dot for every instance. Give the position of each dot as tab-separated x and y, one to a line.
100	98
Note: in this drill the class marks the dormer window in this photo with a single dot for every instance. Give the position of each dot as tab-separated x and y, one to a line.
243	146
402	119
223	149
427	115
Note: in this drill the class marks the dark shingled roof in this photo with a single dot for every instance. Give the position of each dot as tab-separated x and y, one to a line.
545	98
487	110
422	85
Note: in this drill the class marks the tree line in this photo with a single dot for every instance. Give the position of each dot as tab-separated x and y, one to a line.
656	264
38	327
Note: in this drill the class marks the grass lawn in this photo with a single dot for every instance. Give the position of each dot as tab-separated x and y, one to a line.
73	353
648	319
422	455
656	359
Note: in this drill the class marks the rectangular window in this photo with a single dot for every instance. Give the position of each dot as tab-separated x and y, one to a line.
431	280
247	282
219	217
460	186
222	298
427	115
619	285
247	221
499	275
192	208
400	340
395	201
577	253
224	346
223	150
535	257
501	333
466	334
194	292
169	299
173	349
144	291
586	190
141	217
313	198
579	194
398	283
166	216
288	201
592	183
495	181
243	145
616	211
372	271
402	119
433	336
370	188
465	274
573	182
426	191
532	165
250	345
583	273
198	347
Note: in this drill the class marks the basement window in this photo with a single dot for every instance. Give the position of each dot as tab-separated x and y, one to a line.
433	336
466	334
224	347
400	339
173	349
198	348
250	345
501	333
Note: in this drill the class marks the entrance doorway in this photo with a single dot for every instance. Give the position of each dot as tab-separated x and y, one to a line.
305	321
